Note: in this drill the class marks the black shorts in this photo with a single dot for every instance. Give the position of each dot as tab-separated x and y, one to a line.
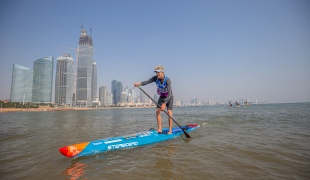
169	104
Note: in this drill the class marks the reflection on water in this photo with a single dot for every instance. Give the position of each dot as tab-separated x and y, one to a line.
163	161
76	170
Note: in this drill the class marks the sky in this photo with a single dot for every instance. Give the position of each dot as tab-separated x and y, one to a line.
216	50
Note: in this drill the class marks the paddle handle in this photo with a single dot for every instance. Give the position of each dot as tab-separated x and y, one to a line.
187	135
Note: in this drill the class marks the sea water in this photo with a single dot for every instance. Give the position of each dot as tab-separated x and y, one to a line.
268	141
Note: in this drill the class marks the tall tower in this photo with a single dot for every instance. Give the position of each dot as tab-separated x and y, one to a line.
116	90
126	90
113	91
103	96
119	90
43	80
21	86
94	82
142	97
84	70
133	95
64	81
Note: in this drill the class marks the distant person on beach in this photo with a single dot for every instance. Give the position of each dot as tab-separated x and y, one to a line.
165	95
230	105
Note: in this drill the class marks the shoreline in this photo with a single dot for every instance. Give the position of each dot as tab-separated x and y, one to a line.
46	109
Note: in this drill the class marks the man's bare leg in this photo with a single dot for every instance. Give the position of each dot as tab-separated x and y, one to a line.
170	122
158	116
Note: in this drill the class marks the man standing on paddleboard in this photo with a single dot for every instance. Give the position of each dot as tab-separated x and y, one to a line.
165	95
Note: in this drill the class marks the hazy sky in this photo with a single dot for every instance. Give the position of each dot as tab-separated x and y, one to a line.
219	50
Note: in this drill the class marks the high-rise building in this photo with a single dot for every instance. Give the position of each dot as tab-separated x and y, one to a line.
123	97
116	90
143	97
126	90
129	98
42	80
103	96
84	70
119	90
113	91
110	99
94	82
133	95
138	100
177	102
21	86
64	80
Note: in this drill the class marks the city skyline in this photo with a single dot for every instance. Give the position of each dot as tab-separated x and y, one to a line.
64	86
218	50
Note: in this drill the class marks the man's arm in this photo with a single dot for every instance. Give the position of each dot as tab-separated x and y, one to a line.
153	79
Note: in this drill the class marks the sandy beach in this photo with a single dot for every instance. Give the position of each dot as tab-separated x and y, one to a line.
3	110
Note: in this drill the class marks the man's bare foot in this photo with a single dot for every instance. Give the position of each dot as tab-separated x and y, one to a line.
159	130
169	132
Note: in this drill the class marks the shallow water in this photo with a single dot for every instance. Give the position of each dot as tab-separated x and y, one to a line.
269	141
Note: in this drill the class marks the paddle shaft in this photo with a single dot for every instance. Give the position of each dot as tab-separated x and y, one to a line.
187	135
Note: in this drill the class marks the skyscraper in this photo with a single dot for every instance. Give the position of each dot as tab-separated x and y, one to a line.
113	91
64	81
129	98
21	86
43	80
133	94
143	97
84	70
109	99
103	96
116	90
119	90
94	82
126	90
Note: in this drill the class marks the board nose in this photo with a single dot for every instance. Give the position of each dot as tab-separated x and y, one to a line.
64	150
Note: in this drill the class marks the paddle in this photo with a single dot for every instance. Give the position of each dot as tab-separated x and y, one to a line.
187	136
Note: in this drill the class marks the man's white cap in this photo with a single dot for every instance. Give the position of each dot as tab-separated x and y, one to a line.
159	69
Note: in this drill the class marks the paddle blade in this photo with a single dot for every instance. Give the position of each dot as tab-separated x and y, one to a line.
186	135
